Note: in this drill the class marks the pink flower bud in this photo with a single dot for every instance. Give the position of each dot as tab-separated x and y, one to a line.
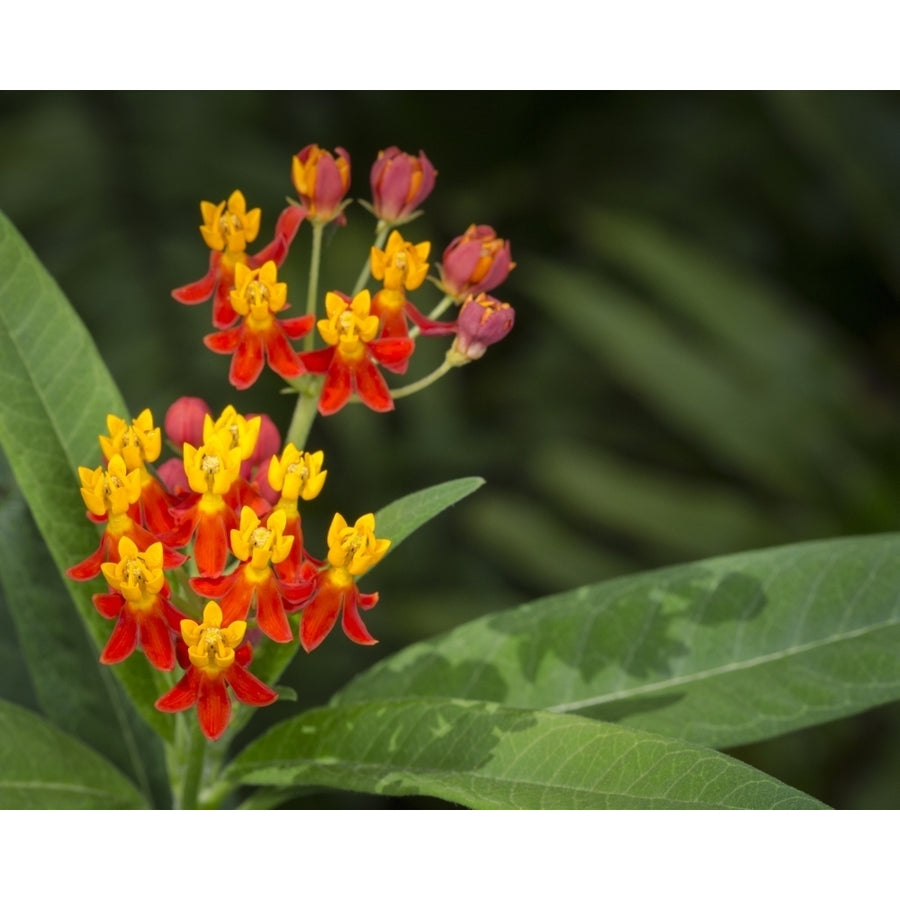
321	181
400	182
482	321
474	262
184	421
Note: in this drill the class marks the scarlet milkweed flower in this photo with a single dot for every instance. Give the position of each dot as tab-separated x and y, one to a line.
216	660
227	229
211	470
139	602
322	181
400	183
295	475
138	444
352	551
109	494
261	337
257	546
475	262
349	362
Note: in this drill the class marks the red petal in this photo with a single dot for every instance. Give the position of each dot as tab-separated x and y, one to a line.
213	707
352	624
216	587
336	389
270	615
426	325
155	504
318	361
122	641
157	641
371	387
211	545
298	327
285	230
224	314
224	341
248	688
367	601
108	605
282	357
319	617
183	696
236	604
247	362
90	568
201	290
391	351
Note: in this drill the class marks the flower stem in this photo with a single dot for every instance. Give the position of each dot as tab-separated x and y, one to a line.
381	231
424	382
312	288
446	301
193	772
305	411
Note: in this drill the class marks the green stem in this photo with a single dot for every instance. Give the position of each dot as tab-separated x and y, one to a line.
312	289
193	773
446	302
381	233
305	411
408	389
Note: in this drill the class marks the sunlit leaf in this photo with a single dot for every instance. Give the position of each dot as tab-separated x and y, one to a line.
490	757
720	652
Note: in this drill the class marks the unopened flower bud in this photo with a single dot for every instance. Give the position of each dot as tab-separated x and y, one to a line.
322	181
184	420
400	183
475	262
482	321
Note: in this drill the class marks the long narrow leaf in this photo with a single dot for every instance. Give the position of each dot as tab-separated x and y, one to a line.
489	757
56	393
43	768
721	652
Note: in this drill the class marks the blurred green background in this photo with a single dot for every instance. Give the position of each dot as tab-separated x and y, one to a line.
706	356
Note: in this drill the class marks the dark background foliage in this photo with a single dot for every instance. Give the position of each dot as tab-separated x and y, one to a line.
705	357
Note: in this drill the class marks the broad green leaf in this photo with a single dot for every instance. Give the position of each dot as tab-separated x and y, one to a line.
398	520
43	768
76	692
56	395
721	652
490	757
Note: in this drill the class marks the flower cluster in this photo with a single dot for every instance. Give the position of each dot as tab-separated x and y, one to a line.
368	330
203	553
230	501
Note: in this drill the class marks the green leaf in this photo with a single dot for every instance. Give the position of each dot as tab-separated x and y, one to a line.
721	652
398	520
56	395
489	757
76	692
43	768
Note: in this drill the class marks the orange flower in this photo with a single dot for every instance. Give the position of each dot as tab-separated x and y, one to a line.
322	182
216	660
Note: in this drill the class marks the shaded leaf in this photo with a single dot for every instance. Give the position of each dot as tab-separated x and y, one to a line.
57	394
43	768
76	692
720	652
489	757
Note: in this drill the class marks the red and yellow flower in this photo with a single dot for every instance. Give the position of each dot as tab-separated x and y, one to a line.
216	660
348	363
139	602
322	181
110	493
227	229
352	551
261	337
258	546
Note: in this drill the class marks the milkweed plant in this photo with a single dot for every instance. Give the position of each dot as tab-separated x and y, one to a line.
181	537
